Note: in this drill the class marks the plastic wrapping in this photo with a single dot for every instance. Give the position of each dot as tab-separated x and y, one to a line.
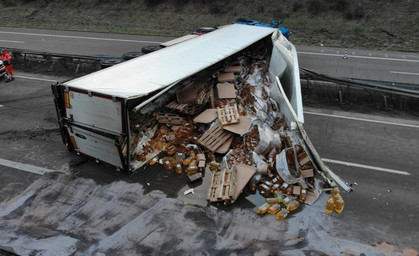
268	139
282	168
261	165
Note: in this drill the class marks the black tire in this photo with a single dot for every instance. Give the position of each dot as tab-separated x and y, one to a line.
110	62
150	48
131	55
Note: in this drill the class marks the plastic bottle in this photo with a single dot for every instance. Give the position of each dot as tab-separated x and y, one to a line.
153	161
178	168
274	209
263	208
167	164
271	201
279	197
193	163
287	200
214	165
303	195
187	161
293	205
282	214
289	189
330	205
283	188
191	170
339	204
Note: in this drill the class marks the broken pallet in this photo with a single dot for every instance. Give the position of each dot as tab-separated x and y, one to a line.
190	108
222	186
169	118
228	115
215	137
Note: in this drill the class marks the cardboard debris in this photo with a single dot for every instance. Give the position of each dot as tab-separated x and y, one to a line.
226	77
243	174
207	116
234	69
307	173
228	115
225	146
201	160
195	177
250	159
226	91
215	137
187	94
312	197
240	128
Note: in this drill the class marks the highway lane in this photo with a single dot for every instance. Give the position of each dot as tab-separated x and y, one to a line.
362	64
28	136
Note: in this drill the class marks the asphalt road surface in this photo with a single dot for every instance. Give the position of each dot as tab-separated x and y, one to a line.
361	64
51	205
49	201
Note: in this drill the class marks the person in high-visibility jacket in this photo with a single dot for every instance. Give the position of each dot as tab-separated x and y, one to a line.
7	61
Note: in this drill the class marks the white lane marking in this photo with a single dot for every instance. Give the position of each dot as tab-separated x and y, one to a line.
381	169
404	73
362	119
36	78
1	106
81	37
356	56
25	167
10	41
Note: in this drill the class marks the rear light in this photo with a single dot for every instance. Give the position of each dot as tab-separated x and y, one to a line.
73	141
67	99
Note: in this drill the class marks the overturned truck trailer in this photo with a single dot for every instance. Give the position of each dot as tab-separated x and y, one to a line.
106	115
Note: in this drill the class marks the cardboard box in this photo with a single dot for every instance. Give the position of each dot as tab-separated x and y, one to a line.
307	173
243	175
226	77
207	116
296	190
234	69
240	128
226	91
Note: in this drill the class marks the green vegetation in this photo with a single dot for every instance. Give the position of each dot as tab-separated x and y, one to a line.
384	24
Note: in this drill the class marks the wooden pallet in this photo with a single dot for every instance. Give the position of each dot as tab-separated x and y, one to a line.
215	137
228	115
169	118
222	186
189	109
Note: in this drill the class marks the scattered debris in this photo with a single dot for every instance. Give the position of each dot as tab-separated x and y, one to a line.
189	191
227	122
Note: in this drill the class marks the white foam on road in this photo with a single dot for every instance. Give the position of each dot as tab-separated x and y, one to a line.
404	73
375	168
25	167
357	56
362	119
79	37
10	41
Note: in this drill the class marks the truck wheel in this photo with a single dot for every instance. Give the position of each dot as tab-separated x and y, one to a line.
131	55
110	62
150	48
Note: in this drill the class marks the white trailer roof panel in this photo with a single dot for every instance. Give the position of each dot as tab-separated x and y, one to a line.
161	68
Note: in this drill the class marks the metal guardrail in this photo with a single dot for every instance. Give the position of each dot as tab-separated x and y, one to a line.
399	89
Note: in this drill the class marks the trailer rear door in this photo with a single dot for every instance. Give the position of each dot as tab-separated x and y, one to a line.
96	125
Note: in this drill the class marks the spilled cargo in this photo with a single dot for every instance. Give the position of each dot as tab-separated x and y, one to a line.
227	103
